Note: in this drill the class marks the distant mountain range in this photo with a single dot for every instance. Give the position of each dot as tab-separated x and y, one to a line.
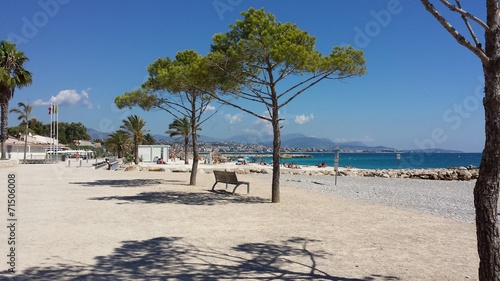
304	142
97	135
287	141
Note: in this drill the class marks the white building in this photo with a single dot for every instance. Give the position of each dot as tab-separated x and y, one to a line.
42	140
151	153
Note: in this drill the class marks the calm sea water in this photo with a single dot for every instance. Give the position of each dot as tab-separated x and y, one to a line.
389	160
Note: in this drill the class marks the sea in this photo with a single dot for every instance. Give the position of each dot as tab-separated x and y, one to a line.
382	160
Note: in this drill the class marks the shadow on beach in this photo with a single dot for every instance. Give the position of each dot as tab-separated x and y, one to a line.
216	197
185	198
170	258
128	183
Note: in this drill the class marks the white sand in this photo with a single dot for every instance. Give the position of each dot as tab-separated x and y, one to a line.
84	224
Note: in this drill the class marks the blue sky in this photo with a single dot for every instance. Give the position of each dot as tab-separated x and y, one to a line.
421	89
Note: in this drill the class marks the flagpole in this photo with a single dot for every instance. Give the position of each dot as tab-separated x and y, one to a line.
50	141
52	137
57	133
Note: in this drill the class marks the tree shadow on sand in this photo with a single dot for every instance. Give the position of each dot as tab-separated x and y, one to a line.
170	258
185	198
128	182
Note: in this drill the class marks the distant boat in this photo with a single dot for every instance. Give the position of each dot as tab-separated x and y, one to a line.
285	156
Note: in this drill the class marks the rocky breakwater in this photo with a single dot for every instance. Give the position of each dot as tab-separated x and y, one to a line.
457	174
460	173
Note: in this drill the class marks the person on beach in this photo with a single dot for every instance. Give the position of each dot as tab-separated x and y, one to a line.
107	162
322	165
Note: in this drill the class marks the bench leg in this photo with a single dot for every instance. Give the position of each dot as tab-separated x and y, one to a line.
214	185
248	187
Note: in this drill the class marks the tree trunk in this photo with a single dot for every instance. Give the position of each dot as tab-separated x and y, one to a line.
194	168
4	104
275	197
486	188
194	125
25	141
186	150
136	151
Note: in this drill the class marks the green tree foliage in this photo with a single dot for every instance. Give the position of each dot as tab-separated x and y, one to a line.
70	132
12	75
179	87
118	142
134	125
17	131
24	112
36	127
486	190
181	128
273	63
148	139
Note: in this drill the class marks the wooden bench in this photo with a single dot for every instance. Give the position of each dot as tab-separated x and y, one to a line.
229	178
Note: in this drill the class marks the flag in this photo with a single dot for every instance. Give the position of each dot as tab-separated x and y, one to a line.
50	110
55	109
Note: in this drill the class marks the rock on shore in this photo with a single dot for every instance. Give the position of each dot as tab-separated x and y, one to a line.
458	173
461	173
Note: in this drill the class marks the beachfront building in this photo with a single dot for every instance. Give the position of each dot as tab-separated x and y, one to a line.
151	153
36	148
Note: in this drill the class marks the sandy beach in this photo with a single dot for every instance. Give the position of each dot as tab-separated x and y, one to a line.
78	223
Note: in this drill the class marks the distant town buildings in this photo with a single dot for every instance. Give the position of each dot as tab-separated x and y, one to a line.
228	147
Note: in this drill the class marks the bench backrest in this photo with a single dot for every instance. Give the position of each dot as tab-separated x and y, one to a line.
227	177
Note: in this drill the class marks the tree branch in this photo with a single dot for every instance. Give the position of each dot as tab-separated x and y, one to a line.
240	108
469	27
303	89
170	109
463	13
200	122
297	85
460	39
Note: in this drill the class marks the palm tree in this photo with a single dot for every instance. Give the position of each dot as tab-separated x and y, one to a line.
24	112
148	139
12	76
118	142
181	128
134	125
